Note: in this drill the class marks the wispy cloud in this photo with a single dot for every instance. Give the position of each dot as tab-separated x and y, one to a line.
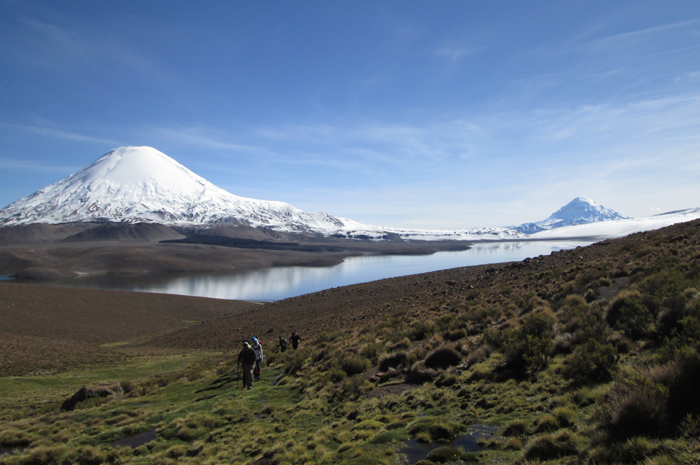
647	33
77	51
36	166
60	134
456	52
202	137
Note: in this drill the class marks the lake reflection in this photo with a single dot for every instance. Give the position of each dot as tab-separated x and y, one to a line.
282	282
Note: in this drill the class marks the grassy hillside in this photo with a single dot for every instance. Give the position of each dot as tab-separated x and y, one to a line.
582	356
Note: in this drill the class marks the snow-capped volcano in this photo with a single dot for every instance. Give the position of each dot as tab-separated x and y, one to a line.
579	211
141	184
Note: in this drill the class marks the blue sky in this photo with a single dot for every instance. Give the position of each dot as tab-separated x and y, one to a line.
430	114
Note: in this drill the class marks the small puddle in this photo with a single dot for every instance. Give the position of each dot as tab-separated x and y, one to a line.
470	441
136	440
416	451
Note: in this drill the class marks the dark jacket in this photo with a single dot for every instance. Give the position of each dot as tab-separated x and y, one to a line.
247	356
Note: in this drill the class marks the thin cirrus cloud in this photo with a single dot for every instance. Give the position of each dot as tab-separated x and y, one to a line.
59	134
626	39
456	52
36	166
69	49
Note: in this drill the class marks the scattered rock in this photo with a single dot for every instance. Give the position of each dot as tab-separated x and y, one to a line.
89	392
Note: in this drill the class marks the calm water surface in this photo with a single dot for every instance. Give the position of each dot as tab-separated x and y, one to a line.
279	283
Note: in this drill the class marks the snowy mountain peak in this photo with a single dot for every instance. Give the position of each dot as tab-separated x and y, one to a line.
581	210
143	185
140	168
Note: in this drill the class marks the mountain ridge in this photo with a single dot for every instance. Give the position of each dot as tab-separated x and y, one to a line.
132	185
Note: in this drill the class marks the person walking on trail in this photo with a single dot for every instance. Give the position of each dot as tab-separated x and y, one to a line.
247	358
257	348
282	344
294	339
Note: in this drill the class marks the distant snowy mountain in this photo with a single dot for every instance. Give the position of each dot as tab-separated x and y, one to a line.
143	185
577	212
611	229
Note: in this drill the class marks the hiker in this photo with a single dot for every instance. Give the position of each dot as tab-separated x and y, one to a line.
247	358
294	339
282	344
257	348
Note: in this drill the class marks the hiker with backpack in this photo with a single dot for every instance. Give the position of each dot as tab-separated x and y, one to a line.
294	339
247	358
257	348
282	344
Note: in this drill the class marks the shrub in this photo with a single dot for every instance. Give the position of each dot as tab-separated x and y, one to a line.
479	355
394	360
176	451
127	386
590	362
446	380
403	344
622	344
629	313
354	387
590	295
14	437
445	321
44	455
373	351
552	446
680	315
527	348
435	428
592	325
353	364
444	454
546	423
443	357
563	343
636	450
637	406
335	373
682	379
296	361
454	335
421	329
384	437
513	444
419	373
565	416
515	428
479	314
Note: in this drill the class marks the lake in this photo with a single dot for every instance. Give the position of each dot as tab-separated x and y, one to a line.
282	282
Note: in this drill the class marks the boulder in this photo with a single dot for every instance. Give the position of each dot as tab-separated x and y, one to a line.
88	392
